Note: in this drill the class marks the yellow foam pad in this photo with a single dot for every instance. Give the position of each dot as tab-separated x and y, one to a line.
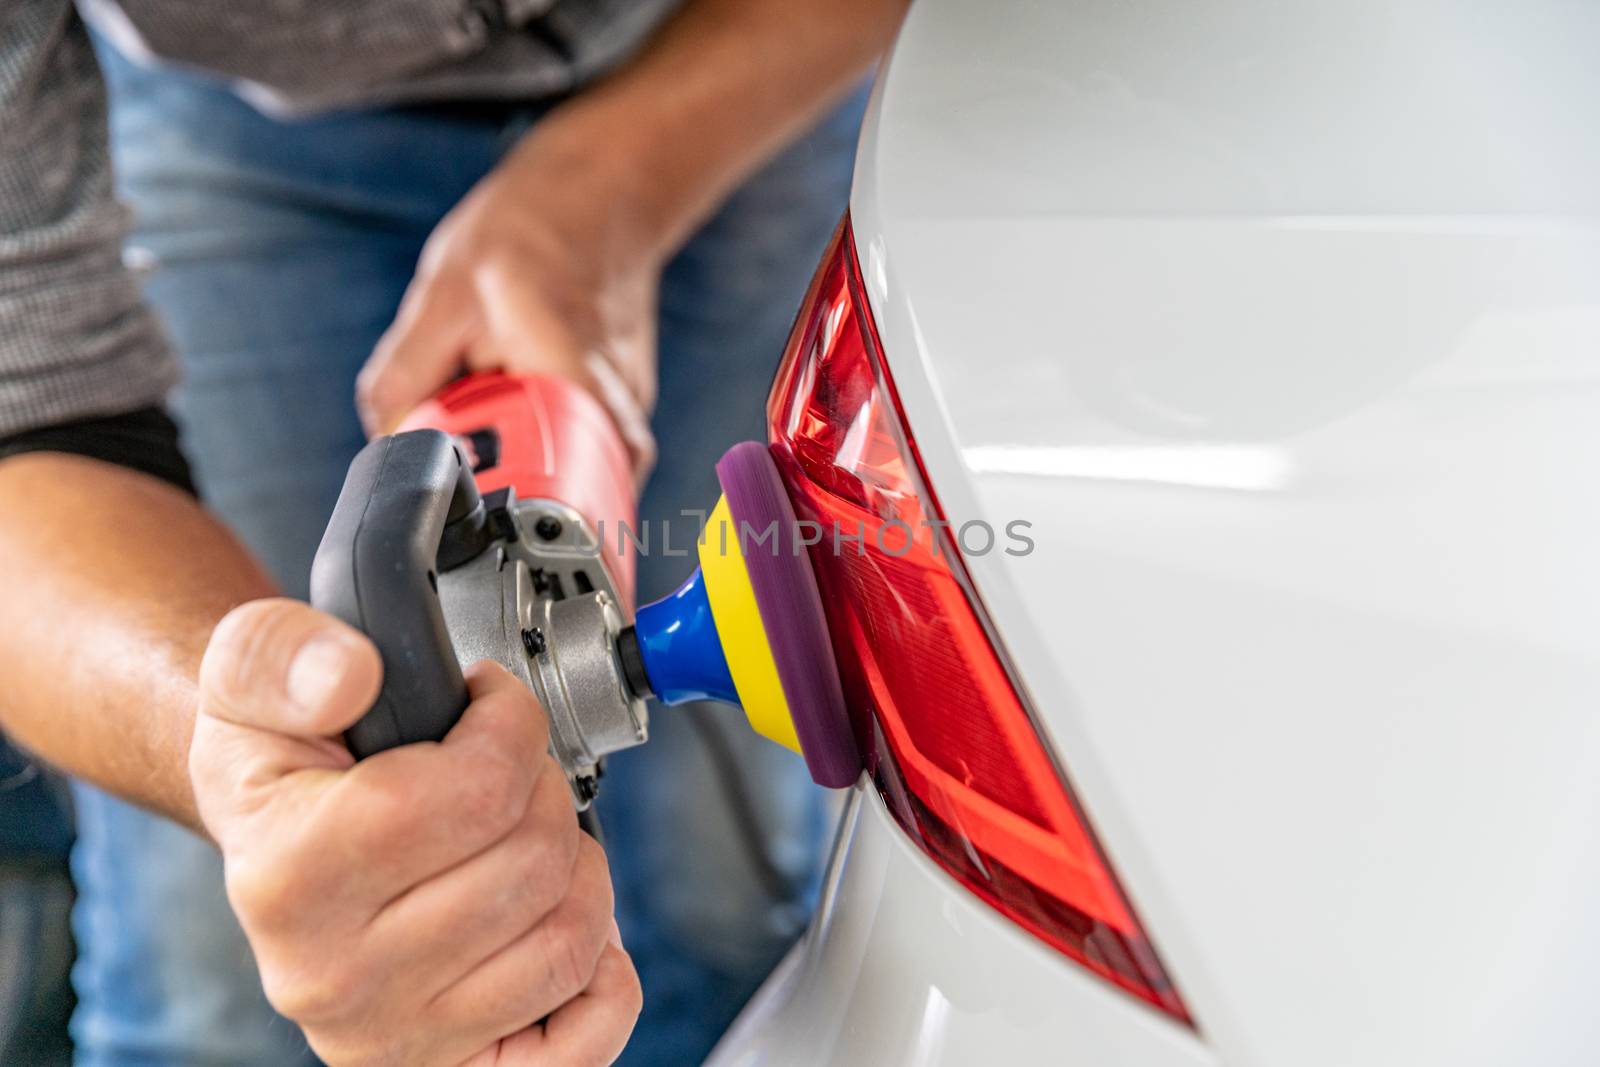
739	628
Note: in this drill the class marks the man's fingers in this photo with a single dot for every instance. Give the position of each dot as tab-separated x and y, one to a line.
590	1030
632	420
527	333
486	678
593	1028
281	666
412	812
417	355
545	967
455	920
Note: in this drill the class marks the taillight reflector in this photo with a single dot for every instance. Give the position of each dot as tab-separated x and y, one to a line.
948	741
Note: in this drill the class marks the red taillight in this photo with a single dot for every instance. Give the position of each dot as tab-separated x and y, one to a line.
947	739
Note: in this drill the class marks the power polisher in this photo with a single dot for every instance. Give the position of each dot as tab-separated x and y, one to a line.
493	525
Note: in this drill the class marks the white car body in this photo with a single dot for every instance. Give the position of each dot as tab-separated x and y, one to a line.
1281	324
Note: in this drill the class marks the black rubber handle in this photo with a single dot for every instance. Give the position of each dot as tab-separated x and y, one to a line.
377	569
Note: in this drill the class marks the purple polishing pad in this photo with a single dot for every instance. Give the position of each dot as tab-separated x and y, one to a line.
791	612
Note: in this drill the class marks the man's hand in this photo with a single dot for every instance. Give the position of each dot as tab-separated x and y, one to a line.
434	904
552	263
543	268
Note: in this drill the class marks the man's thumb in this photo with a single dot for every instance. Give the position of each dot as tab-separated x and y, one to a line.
279	665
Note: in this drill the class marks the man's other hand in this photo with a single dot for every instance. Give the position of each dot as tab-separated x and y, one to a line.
549	266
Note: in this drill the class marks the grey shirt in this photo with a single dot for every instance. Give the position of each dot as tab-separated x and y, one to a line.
76	339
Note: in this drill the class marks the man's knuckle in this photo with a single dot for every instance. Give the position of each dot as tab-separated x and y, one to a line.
225	664
382	388
538	875
282	993
385	806
631	994
591	881
290	996
265	892
437	251
204	761
492	798
499	261
369	380
312	994
570	957
245	649
534	726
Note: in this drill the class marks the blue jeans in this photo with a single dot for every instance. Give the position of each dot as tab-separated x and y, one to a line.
35	952
281	250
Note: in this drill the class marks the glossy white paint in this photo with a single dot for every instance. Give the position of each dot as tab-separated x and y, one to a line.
1282	326
903	968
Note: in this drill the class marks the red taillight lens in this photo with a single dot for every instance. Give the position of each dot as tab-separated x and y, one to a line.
948	741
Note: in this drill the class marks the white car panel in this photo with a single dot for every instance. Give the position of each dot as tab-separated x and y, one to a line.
904	968
1281	324
1284	331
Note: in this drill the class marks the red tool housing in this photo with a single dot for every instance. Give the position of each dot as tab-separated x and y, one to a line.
546	438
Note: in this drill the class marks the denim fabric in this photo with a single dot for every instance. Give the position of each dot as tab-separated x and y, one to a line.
35	954
35	907
35	811
282	249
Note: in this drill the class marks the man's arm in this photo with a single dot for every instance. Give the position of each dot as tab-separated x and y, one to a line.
551	264
114	581
723	87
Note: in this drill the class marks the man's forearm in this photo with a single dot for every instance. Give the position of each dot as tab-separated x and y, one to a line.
722	87
113	583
